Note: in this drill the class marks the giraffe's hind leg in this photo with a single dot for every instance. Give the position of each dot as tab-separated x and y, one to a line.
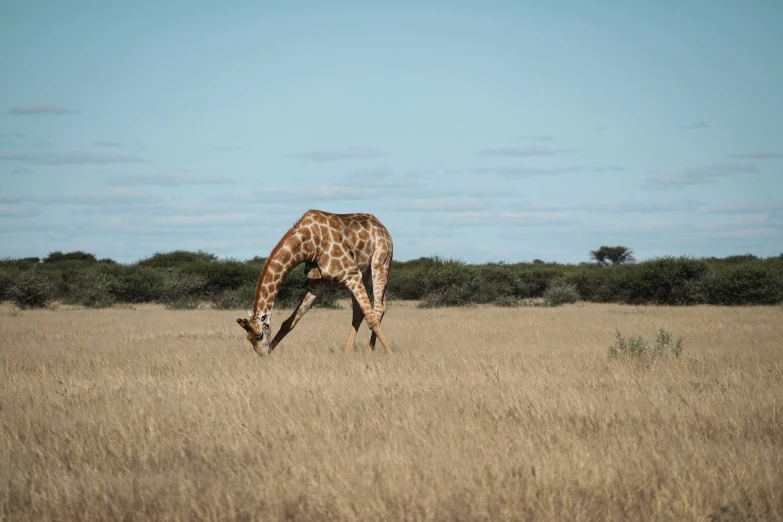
379	301
356	286
381	262
358	317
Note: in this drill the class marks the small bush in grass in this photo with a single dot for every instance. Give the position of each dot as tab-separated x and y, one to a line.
663	344
635	347
561	293
31	290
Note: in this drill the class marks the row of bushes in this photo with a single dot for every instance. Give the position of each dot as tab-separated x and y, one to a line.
183	279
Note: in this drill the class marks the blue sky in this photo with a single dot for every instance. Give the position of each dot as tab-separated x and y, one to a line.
484	131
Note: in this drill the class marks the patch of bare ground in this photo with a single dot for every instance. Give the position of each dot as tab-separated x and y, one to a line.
478	414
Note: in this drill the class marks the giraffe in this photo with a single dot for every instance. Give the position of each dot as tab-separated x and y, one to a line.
337	250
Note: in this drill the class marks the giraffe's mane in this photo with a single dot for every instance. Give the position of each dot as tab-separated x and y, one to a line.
272	254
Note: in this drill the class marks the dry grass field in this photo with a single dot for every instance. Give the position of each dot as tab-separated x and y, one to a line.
479	414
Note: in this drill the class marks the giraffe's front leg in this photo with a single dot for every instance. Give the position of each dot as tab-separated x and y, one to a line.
288	324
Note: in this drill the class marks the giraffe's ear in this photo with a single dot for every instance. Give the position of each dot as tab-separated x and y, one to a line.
249	313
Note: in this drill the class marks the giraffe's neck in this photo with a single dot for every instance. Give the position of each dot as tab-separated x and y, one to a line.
283	258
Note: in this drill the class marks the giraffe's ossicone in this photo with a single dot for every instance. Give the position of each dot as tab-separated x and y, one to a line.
337	250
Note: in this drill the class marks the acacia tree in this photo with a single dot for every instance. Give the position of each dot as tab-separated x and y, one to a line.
617	255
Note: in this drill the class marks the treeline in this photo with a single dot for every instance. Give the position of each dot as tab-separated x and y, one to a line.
184	280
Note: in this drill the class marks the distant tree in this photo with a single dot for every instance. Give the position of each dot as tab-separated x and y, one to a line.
538	262
616	255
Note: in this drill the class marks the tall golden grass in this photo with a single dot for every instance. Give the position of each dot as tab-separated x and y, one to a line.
478	414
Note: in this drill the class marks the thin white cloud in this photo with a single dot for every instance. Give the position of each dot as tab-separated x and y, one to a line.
39	109
756	155
537	138
747	208
329	193
526	172
11	139
379	177
741	233
108	197
647	225
17	211
9	198
507	218
439	204
641	207
701	124
523	152
202	220
733	168
106	144
340	154
164	179
708	175
53	158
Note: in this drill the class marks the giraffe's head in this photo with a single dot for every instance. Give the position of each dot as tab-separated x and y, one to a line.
259	331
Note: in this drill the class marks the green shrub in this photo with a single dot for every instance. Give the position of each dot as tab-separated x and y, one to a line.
506	301
746	283
177	287
187	277
664	281
177	258
93	290
451	283
631	347
31	290
235	299
24	263
8	275
405	284
561	293
499	282
596	283
636	348
663	344
137	284
534	281
228	274
76	256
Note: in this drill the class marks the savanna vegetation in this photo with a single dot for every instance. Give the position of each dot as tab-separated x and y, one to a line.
589	412
183	280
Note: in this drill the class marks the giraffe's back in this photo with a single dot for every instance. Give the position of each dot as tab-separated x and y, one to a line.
359	236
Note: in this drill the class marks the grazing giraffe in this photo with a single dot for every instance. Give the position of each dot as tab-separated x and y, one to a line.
337	250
